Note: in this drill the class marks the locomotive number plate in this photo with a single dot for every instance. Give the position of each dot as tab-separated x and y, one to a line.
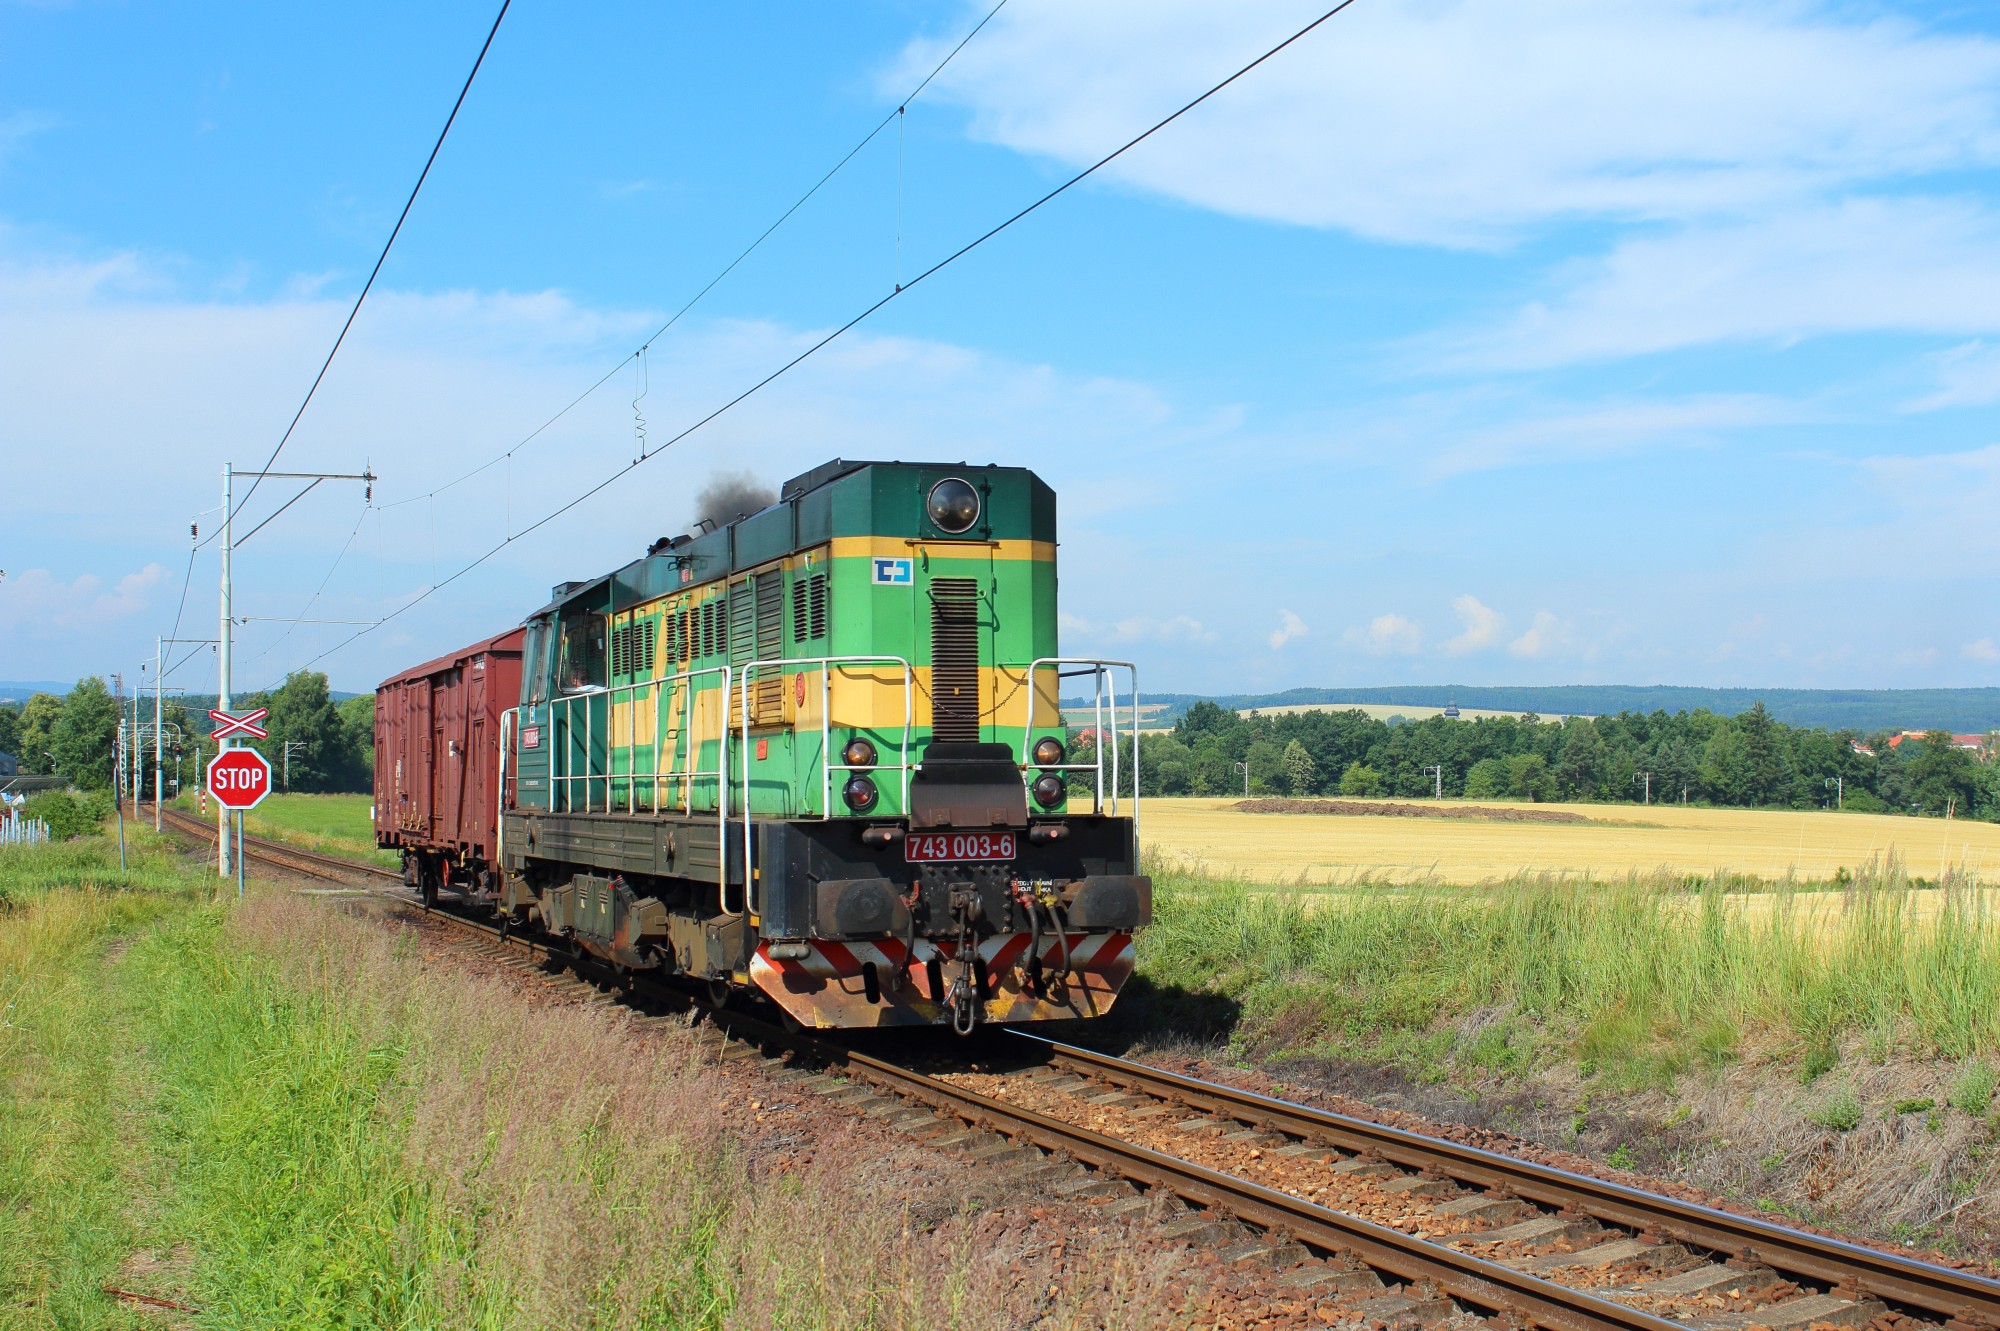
957	847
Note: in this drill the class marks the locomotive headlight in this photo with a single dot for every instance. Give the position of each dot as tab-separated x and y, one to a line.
1049	790
953	506
1048	752
860	794
859	753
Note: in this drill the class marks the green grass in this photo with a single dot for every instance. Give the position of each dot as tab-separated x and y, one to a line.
285	1116
1642	978
70	1081
331	824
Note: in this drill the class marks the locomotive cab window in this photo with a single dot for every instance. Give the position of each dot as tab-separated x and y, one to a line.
582	663
536	659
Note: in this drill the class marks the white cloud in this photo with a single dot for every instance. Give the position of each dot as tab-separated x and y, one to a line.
1462	122
1541	638
1289	626
1599	431
1910	265
1981	650
1386	635
17	129
1138	628
35	604
1180	628
108	368
1948	493
1969	375
1482	626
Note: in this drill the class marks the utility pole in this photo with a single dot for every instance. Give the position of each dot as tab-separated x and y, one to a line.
1437	772
159	735
137	746
222	703
222	658
1839	785
118	768
290	744
1647	777
1245	769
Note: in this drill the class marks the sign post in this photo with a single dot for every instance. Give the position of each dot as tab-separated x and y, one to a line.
239	779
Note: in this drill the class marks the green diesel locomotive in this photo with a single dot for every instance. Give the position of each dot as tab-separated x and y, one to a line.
817	751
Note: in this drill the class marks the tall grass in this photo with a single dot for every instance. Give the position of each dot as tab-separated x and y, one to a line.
70	1175
1641	972
290	1117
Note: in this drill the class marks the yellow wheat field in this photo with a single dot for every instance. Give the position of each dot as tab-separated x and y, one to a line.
1210	834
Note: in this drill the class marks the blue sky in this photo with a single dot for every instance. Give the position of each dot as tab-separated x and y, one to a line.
1538	342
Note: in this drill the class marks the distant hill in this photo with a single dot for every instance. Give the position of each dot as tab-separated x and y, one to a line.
1961	710
13	691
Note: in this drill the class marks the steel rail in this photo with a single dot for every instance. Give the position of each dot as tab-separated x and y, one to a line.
1848	1266
282	854
1474	1280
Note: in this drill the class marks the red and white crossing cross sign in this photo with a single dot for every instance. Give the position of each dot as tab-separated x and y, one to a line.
239	778
228	723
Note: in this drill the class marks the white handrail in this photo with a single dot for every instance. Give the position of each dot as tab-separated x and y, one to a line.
1104	681
661	689
825	665
500	793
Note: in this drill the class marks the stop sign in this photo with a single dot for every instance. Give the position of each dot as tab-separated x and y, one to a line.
239	778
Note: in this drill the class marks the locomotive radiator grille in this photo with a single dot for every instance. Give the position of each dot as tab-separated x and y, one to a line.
955	703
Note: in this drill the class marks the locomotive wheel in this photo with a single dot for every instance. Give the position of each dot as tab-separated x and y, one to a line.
719	993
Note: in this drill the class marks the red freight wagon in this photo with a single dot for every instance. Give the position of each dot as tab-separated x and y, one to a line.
437	760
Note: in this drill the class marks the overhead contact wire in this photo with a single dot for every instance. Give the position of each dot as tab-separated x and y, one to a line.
816	347
732	266
380	259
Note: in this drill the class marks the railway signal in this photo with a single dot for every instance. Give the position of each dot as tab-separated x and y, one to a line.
228	723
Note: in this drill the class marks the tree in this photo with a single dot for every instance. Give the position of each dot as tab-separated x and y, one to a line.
303	716
1168	766
1764	768
10	729
1580	769
1528	778
38	726
357	725
1361	779
1488	780
84	734
1300	769
1205	718
1267	766
1941	776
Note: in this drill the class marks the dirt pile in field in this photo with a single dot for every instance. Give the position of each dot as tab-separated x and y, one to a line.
1360	809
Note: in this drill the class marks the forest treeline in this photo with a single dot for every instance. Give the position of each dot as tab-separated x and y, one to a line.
1748	761
332	743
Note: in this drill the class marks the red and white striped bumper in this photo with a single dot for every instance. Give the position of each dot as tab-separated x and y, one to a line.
825	988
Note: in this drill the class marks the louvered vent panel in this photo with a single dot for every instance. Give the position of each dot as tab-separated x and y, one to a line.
955	708
769	682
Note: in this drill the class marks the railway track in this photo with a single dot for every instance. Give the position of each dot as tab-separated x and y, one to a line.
1391	1223
281	855
1862	1272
